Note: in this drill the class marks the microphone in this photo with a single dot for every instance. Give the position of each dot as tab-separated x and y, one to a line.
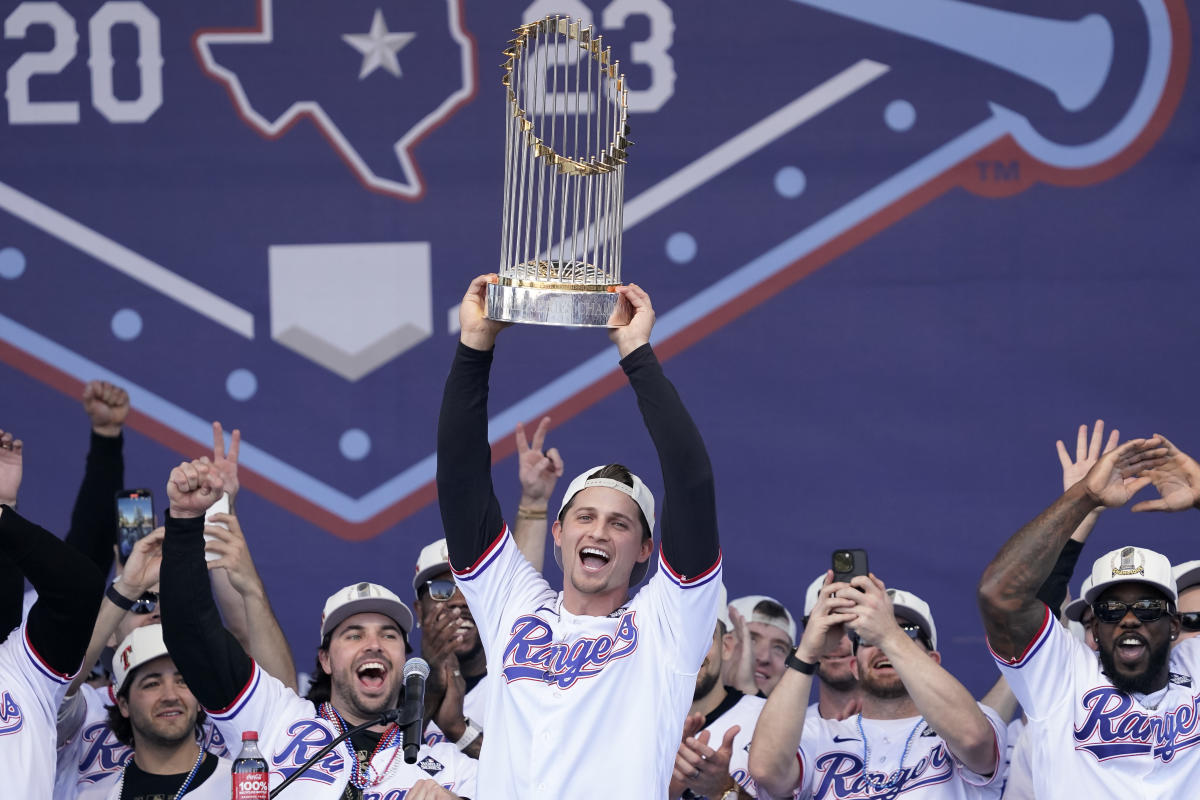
416	670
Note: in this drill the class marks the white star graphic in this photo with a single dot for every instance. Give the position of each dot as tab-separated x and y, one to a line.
378	47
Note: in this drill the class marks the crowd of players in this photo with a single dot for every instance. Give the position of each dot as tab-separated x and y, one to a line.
140	687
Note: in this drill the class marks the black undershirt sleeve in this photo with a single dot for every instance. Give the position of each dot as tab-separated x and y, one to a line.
12	595
1054	589
69	591
210	659
471	513
689	538
93	528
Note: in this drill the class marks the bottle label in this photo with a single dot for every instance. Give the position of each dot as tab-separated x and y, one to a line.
250	786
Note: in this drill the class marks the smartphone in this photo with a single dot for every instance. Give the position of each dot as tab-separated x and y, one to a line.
135	519
219	507
849	564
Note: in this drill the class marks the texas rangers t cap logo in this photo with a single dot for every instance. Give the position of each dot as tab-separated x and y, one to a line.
125	656
1128	562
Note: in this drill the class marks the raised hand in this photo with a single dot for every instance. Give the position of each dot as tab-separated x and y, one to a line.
739	667
229	545
1086	453
1120	473
141	568
825	628
538	470
630	337
449	713
475	329
704	770
1177	480
193	487
226	465
107	406
11	467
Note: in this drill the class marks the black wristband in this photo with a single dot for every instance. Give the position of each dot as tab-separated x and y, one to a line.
119	600
800	666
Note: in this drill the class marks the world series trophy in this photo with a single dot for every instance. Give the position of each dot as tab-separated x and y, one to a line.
566	137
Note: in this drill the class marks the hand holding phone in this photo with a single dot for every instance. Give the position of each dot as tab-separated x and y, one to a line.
135	519
219	507
849	564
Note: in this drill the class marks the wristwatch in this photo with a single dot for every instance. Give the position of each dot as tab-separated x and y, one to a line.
798	665
119	600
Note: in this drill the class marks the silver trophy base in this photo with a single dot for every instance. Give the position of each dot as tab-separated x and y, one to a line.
569	307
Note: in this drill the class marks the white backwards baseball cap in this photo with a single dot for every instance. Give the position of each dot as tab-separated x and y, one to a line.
640	494
1131	565
1074	610
144	644
1186	575
907	605
363	598
745	607
433	560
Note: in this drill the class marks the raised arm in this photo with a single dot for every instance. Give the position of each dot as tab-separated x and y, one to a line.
12	582
689	518
69	589
1177	480
93	528
539	470
235	577
212	662
1008	591
471	514
773	762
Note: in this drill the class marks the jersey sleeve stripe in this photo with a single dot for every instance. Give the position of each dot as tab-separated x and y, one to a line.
485	560
1034	645
231	710
696	580
40	664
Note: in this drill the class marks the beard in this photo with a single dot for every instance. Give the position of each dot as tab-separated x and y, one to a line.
842	683
889	688
1144	682
705	682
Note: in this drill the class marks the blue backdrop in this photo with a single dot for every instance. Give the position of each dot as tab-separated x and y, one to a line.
896	251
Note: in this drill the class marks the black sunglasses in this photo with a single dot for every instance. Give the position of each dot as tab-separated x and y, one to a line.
1112	611
145	604
913	632
1190	620
441	589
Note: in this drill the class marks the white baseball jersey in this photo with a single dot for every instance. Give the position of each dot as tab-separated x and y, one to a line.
92	754
743	713
217	786
832	755
582	706
1018	778
290	732
474	706
1089	739
30	691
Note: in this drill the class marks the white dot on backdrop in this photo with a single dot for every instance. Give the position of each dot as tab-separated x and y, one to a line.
681	247
790	182
241	384
12	263
355	444
900	115
127	324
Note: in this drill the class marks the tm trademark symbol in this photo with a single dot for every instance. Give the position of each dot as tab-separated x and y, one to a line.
998	171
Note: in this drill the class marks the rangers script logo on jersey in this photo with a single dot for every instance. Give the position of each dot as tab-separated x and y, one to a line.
11	718
532	654
1114	728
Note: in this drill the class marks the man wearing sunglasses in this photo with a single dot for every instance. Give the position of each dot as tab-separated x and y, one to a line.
920	733
1125	724
1187	582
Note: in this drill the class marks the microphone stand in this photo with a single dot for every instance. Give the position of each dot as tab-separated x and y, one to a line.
392	715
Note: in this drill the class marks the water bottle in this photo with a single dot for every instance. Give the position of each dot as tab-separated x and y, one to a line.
250	770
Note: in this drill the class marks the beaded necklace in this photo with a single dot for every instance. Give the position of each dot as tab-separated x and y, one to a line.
898	775
358	778
183	787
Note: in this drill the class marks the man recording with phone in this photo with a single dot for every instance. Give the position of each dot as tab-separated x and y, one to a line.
919	733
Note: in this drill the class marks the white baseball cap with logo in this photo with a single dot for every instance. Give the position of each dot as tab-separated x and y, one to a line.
1131	565
907	605
745	607
640	494
363	598
812	594
434	559
142	645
